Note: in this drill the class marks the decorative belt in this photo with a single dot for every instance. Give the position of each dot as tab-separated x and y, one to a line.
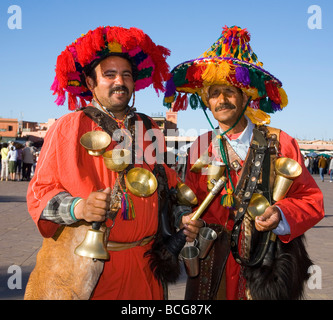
118	246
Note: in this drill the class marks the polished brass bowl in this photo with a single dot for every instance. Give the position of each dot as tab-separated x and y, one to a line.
95	142
117	159
141	182
185	195
257	205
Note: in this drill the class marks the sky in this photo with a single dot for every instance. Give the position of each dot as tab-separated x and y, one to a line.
293	42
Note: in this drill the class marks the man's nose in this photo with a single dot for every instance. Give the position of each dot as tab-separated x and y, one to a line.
119	80
222	98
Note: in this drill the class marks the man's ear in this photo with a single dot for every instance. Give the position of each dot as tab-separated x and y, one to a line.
90	83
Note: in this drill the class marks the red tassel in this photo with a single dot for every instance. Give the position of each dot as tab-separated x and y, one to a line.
273	92
72	102
65	65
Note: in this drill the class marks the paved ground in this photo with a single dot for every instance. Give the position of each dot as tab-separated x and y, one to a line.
20	242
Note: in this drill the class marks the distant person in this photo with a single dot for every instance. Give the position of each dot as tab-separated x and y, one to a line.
307	162
322	164
311	165
12	162
19	162
4	162
330	170
28	160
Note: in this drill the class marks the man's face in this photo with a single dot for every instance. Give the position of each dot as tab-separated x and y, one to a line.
226	103
114	83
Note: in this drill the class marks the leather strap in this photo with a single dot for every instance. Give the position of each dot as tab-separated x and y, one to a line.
118	246
252	179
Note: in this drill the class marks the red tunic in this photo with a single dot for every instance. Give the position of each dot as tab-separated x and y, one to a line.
303	206
64	165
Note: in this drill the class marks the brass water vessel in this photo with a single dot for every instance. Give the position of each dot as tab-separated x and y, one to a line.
95	142
257	205
286	170
117	159
185	195
141	182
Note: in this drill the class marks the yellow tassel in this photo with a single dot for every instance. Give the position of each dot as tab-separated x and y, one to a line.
284	97
187	89
169	99
251	92
228	199
222	71
258	116
114	47
209	74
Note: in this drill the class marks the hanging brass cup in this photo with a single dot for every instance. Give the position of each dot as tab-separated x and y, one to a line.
141	182
185	195
201	163
95	142
286	170
257	205
117	159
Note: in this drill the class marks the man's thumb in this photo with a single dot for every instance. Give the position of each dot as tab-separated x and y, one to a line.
107	190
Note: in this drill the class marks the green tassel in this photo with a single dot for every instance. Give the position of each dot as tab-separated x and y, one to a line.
266	105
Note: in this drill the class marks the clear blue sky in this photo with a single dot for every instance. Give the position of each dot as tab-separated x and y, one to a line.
300	57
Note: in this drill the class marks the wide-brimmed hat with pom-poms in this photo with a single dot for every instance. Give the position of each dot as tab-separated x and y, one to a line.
230	60
132	43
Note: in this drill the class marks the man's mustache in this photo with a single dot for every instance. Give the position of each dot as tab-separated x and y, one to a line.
225	106
119	88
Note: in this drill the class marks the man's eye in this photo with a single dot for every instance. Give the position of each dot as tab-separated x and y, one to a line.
215	94
109	75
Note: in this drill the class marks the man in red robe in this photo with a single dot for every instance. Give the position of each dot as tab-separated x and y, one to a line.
229	80
71	187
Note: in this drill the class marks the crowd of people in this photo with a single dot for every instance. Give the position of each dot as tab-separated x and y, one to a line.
18	161
320	165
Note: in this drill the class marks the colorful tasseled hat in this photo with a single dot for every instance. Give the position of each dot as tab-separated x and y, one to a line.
230	60
97	44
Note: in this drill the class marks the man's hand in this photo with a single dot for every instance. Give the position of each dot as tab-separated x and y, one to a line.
269	220
95	207
192	227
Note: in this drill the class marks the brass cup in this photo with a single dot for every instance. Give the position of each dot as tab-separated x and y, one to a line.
257	205
185	195
141	182
117	159
95	142
201	163
214	172
286	170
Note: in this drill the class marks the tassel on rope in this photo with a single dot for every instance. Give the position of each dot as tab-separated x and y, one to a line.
127	207
228	200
